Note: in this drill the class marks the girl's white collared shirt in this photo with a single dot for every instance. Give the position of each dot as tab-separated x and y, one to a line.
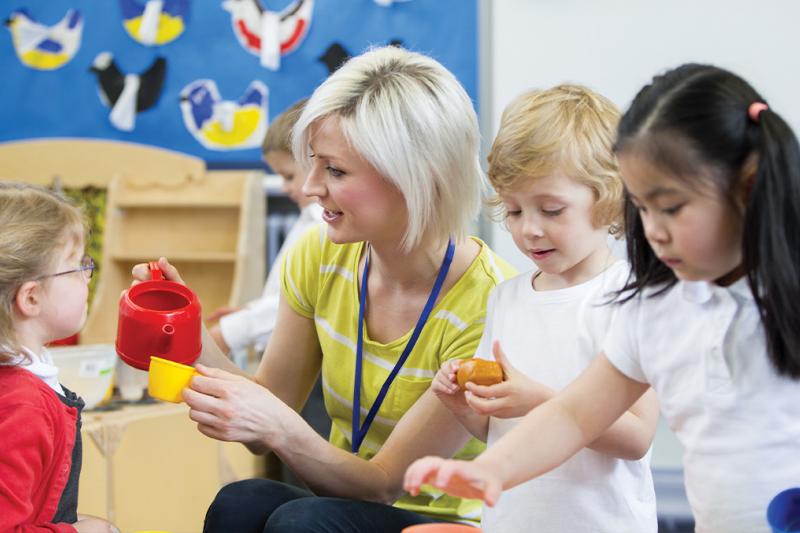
42	366
703	349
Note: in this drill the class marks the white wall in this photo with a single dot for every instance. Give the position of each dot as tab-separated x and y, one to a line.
616	46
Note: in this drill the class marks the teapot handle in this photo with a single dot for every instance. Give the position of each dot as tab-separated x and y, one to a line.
155	272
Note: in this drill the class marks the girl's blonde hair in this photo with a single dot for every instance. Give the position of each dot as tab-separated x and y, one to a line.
409	118
34	224
569	128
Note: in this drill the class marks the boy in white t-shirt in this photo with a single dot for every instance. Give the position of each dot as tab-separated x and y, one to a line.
553	167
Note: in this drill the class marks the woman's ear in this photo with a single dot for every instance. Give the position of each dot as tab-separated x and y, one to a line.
747	178
28	300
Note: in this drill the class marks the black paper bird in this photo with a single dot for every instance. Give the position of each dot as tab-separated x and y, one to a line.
128	94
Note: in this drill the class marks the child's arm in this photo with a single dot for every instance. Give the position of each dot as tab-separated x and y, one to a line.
544	439
445	387
628	438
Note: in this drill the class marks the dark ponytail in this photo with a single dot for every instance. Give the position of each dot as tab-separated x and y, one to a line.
771	241
696	116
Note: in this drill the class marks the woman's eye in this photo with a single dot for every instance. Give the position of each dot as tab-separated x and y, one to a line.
335	172
552	212
673	210
512	213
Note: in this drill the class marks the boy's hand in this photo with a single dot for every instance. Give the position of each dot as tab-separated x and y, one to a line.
220	312
512	398
446	388
467	479
216	334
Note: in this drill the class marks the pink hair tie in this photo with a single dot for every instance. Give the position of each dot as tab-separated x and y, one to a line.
755	109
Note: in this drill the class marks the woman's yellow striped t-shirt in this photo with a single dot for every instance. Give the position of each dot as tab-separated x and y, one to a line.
319	280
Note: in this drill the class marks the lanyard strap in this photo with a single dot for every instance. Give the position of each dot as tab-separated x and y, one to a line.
360	432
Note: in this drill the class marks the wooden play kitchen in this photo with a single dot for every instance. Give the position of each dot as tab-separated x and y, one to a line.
140	464
210	224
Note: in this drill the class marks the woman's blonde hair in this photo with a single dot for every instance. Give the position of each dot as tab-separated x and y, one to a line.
34	224
569	128
409	118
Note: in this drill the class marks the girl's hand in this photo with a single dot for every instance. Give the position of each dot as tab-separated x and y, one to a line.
446	388
466	479
229	407
514	397
141	272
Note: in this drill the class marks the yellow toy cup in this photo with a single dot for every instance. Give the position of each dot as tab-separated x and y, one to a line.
167	379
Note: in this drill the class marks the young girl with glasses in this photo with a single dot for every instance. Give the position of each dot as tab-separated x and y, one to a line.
44	285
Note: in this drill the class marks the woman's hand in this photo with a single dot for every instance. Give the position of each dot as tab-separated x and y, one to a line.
445	387
467	479
141	272
515	396
230	407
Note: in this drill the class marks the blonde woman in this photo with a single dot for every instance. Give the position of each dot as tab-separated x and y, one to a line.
376	300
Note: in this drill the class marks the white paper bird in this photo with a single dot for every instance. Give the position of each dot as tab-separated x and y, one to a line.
45	47
269	34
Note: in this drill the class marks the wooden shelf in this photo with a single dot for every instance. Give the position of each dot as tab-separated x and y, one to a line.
209	224
176	203
217	245
152	255
83	162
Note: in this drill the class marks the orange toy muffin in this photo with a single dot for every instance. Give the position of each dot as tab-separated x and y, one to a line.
480	372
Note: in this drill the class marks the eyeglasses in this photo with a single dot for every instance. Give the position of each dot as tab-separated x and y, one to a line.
87	268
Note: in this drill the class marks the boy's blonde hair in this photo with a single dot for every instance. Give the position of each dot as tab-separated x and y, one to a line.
34	225
409	118
569	128
279	133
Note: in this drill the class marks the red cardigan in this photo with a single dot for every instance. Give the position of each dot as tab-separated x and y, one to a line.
37	434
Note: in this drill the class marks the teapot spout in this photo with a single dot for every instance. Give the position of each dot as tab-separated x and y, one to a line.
165	344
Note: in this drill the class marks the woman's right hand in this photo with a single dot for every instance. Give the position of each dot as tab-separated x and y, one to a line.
141	272
233	408
446	388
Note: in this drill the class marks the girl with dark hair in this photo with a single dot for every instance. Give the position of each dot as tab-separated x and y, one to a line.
710	316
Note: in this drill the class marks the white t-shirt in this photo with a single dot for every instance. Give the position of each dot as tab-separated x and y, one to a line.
702	348
552	336
254	323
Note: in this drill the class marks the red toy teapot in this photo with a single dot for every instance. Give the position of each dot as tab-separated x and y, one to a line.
158	317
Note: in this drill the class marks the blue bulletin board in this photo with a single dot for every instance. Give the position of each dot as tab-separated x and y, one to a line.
49	46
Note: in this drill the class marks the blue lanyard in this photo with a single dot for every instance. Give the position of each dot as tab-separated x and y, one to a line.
360	433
